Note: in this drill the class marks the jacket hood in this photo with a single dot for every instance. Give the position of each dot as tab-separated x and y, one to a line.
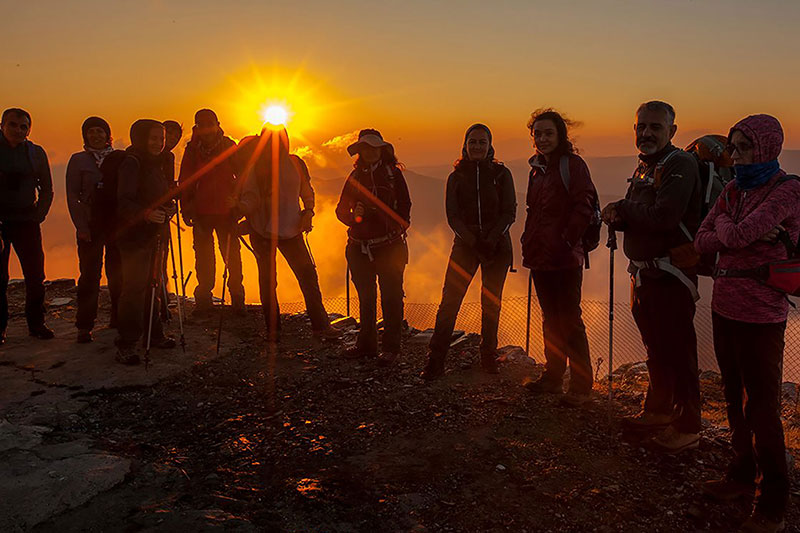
490	153
140	132
766	134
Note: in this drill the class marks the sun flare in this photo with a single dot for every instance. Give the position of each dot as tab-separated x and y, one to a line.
274	114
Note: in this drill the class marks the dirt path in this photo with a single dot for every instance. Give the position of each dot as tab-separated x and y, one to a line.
294	439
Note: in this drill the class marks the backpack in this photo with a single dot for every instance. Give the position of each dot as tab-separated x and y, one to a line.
103	201
591	237
715	168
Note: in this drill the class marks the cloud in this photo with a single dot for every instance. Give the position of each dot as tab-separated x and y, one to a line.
307	154
340	142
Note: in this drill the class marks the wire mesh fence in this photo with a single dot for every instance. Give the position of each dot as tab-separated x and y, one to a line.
628	346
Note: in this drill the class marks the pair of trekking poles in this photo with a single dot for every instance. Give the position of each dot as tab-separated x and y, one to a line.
157	273
611	244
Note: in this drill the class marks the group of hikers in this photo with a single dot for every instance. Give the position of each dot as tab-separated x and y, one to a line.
722	207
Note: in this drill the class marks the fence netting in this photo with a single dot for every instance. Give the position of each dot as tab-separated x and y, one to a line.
628	346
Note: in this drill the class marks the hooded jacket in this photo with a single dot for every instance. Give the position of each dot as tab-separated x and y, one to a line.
664	192
739	218
557	218
257	200
142	186
480	200
208	175
26	185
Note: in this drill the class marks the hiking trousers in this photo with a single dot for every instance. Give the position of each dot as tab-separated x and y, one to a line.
559	295
461	269
25	236
90	264
664	309
750	358
385	270
203	230
133	314
296	253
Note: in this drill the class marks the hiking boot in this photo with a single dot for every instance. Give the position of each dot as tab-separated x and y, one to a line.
354	352
759	523
648	420
84	336
489	364
127	355
575	399
434	369
545	384
163	343
387	359
328	334
672	441
727	490
41	332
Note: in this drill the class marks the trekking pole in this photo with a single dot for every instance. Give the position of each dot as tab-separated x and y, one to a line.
528	322
612	246
224	283
308	247
154	286
347	286
177	293
184	281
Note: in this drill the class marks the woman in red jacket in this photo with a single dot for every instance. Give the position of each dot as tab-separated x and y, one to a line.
561	199
749	318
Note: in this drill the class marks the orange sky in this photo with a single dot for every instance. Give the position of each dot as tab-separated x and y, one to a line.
420	73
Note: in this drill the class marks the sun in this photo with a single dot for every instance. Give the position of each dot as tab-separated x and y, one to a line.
257	96
275	114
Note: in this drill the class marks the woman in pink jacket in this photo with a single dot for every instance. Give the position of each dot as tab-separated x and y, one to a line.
749	318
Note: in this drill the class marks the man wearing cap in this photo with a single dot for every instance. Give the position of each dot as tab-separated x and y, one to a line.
376	207
26	193
94	237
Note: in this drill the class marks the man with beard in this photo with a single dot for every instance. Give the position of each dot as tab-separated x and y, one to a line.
659	216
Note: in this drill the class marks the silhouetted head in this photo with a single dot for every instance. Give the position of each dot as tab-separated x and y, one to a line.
477	144
276	140
206	125
655	126
755	139
147	137
174	133
96	133
15	125
550	132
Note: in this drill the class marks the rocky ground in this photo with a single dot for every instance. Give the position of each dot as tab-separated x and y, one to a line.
291	438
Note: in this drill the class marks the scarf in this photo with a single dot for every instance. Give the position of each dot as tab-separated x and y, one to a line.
99	155
749	177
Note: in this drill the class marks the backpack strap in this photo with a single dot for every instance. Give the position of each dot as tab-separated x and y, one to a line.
563	167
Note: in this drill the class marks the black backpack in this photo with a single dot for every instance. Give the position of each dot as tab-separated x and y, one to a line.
591	237
103	202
